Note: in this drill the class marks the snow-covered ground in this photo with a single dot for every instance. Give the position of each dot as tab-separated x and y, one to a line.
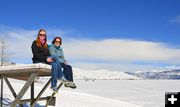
100	88
66	97
145	93
106	93
102	74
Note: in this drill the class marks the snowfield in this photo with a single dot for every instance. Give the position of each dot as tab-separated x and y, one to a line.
74	99
104	93
66	97
100	88
102	75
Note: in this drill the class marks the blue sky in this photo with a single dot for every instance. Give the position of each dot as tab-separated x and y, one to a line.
100	21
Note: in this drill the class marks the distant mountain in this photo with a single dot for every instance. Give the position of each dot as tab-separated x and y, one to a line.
170	74
101	75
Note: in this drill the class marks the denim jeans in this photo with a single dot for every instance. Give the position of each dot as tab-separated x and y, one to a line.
67	70
56	71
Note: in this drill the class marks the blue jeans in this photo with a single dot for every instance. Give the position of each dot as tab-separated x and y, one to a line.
56	71
67	70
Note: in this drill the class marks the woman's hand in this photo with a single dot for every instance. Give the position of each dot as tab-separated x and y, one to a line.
49	60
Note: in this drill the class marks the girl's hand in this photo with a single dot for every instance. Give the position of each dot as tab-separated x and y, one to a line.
49	60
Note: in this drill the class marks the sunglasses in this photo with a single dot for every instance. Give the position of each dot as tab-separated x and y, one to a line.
57	41
42	35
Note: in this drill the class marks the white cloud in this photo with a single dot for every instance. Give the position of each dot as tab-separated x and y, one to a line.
130	67
120	54
19	42
176	19
114	54
120	50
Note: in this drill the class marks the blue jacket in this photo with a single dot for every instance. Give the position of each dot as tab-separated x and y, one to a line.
57	51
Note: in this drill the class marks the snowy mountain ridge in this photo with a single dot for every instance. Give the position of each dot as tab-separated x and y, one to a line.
167	74
101	75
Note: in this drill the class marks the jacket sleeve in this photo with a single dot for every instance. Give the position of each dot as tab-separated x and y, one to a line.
59	54
52	51
63	55
36	54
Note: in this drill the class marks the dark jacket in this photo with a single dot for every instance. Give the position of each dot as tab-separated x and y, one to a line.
40	54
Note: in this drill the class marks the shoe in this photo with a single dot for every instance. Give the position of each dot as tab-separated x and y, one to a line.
70	84
63	79
55	90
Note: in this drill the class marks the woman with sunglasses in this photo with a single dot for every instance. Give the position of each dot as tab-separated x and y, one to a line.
56	50
41	54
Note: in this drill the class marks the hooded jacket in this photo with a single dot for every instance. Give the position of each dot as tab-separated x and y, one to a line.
58	52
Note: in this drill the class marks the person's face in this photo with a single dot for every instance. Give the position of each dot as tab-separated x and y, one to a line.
57	42
42	35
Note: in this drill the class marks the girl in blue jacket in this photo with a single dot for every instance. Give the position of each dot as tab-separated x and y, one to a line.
56	50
